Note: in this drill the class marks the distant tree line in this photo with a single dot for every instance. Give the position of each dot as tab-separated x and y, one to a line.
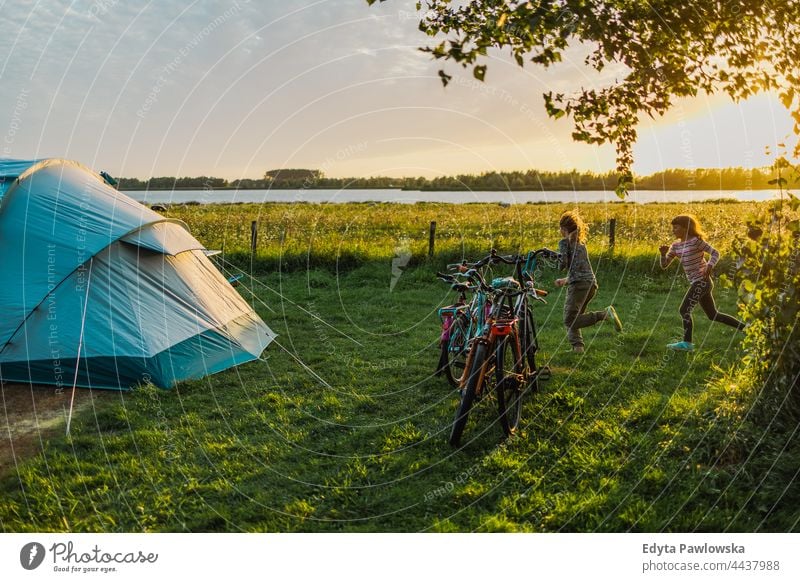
172	183
298	179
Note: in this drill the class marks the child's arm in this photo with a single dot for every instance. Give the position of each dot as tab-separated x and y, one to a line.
563	254
713	258
667	255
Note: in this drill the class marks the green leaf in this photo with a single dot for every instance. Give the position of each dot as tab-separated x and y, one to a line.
479	72
754	232
445	78
623	184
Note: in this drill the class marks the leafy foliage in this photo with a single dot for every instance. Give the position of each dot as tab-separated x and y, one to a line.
768	279
665	50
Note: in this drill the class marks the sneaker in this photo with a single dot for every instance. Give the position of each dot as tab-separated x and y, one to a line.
611	314
681	346
577	349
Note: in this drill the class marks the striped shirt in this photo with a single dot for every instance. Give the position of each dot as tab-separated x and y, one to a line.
691	254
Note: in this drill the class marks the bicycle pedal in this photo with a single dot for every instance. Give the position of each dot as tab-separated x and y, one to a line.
517	379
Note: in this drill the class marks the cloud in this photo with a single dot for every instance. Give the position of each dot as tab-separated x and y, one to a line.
163	88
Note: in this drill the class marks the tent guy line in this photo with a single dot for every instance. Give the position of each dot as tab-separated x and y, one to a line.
80	342
301	308
299	361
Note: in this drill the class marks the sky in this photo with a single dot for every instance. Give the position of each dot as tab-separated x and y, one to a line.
235	88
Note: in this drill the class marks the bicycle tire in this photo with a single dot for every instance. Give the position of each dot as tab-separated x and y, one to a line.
510	368
468	394
530	345
453	356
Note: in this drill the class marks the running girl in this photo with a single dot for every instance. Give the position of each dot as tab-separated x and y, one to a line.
690	249
580	281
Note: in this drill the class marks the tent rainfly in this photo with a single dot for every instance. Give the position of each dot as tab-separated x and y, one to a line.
102	291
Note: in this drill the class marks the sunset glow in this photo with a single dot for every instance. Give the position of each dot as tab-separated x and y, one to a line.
236	89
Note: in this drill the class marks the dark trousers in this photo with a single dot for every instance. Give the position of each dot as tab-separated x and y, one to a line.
579	294
700	292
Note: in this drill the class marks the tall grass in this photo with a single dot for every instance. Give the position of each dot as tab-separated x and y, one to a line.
342	236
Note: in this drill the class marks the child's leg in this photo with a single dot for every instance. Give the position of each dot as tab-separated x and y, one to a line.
587	319
696	291
578	297
593	316
710	308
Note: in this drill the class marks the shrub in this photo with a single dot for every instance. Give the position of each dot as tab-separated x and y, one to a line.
767	275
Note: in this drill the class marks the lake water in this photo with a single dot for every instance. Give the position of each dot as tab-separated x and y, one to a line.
412	196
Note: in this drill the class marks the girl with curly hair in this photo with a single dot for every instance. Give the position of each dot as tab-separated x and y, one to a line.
580	281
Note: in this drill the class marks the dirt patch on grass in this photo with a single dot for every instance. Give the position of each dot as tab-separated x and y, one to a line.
31	414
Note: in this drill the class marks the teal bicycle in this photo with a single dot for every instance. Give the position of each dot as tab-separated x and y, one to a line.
461	321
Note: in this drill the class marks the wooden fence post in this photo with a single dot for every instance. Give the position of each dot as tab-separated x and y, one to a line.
612	233
432	239
253	237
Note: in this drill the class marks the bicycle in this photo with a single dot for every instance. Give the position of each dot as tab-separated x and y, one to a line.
460	323
504	352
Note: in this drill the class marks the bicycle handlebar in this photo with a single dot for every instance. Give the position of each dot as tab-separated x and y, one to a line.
473	274
448	278
494	257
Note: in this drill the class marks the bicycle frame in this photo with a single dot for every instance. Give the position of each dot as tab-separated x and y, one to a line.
493	327
476	312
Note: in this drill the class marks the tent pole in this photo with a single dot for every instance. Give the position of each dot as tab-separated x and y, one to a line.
80	344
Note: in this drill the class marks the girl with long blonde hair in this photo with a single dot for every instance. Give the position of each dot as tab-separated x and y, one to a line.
690	249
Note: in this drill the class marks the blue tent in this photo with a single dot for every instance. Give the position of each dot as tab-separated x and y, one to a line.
95	281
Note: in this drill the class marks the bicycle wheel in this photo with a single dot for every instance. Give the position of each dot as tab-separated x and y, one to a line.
468	395
454	351
509	372
530	345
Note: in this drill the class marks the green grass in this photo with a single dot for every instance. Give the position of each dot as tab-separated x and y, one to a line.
345	236
627	437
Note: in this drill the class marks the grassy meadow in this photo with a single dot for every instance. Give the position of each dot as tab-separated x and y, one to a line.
343	236
343	427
